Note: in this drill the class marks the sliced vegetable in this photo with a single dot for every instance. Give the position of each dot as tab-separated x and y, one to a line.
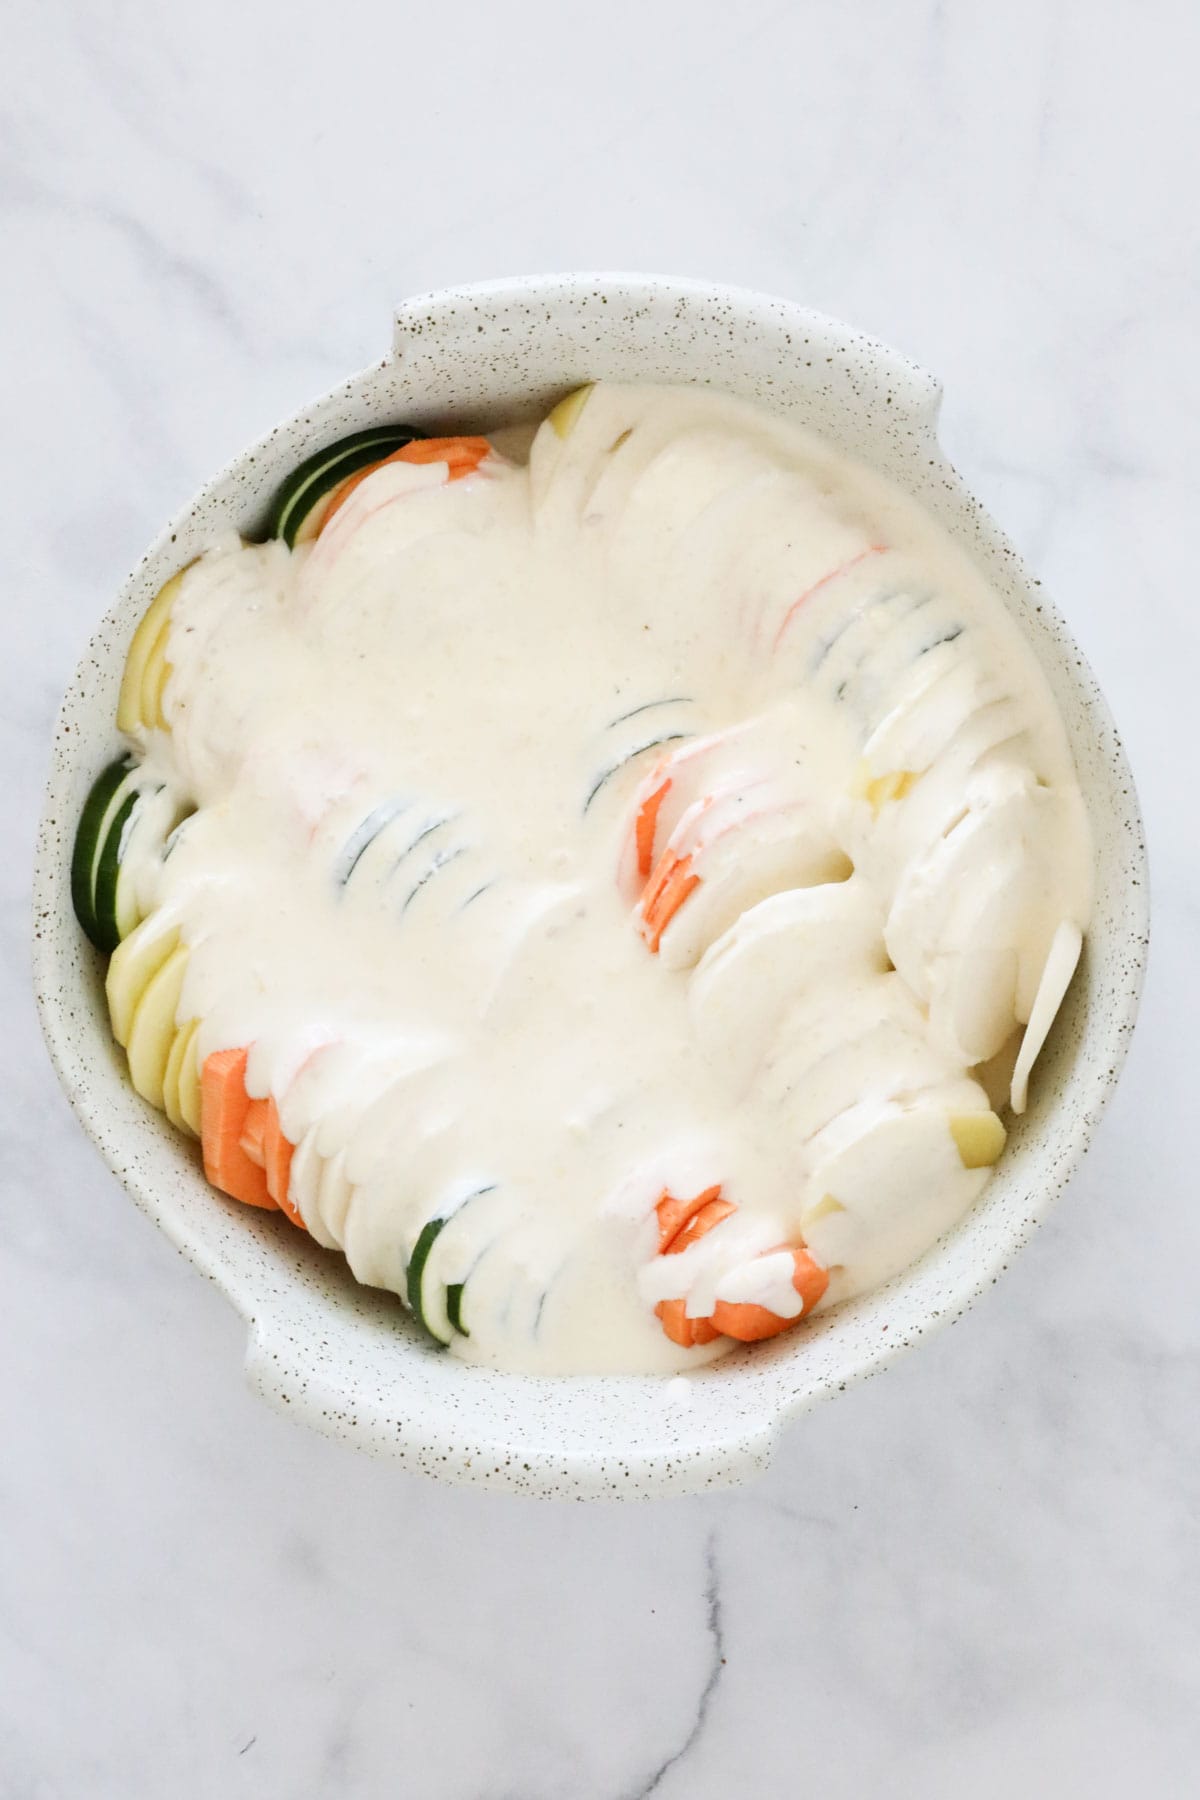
668	888
108	871
674	1214
699	1223
149	831
878	791
172	1099
153	1030
277	1164
436	1304
423	1312
145	640
308	486
154	679
364	835
980	1138
647	821
189	1083
750	1324
681	1223
454	1299
135	962
122	808
680	1328
564	415
462	455
833	574
224	1106
253	1127
107	795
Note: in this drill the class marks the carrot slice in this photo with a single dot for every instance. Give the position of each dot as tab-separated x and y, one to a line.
674	1214
647	822
665	895
224	1104
251	1139
664	869
460	454
277	1163
682	1330
808	1277
842	569
680	1223
698	1224
750	1324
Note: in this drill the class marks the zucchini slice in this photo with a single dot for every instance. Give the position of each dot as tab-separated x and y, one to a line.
630	756
108	870
423	1303
363	836
149	831
105	798
436	1305
454	1294
145	639
319	474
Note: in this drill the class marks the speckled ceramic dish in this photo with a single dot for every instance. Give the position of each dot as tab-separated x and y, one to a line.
344	1358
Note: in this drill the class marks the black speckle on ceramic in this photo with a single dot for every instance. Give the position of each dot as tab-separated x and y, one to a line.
344	1358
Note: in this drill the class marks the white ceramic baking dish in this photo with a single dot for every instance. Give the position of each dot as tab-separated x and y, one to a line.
346	1359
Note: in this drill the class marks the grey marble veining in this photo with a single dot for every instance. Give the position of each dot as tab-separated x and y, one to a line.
977	1575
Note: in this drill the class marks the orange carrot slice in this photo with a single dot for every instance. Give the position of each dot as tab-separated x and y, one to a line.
647	822
460	454
750	1324
665	895
680	1223
224	1104
277	1163
674	1214
663	871
698	1224
842	569
251	1139
682	1330
808	1277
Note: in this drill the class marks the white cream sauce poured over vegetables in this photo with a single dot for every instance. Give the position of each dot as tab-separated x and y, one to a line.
591	894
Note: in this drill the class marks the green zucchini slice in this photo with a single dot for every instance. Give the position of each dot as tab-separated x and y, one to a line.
308	485
110	792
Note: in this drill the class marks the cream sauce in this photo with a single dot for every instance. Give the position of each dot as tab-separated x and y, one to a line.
418	747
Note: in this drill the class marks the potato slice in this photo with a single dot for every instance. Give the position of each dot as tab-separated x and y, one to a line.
980	1138
564	415
172	1102
145	639
134	964
189	1083
154	1029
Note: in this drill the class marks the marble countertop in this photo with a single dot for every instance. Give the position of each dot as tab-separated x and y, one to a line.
977	1576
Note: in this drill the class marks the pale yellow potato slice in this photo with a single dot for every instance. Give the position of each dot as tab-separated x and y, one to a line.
564	415
189	1083
172	1104
133	965
980	1138
145	638
153	677
154	1028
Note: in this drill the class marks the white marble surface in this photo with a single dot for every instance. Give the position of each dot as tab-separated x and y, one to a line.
978	1576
